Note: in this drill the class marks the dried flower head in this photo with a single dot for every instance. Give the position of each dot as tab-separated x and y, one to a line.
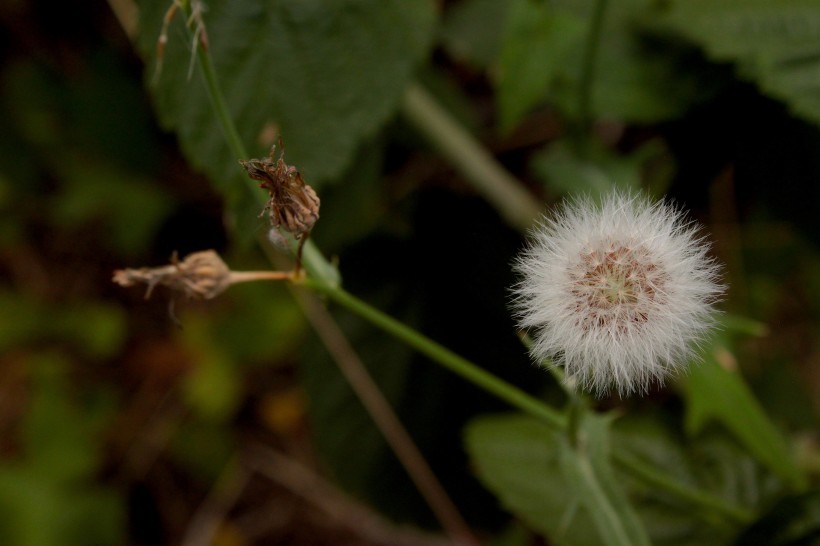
293	204
200	276
617	293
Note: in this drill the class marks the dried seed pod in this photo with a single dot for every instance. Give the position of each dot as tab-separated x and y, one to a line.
293	204
201	275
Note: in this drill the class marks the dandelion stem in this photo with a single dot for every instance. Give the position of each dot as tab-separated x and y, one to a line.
440	354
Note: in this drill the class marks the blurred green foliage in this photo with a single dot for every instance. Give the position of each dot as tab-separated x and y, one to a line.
117	424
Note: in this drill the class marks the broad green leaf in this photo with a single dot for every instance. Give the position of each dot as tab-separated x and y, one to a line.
324	73
543	54
711	463
568	492
713	392
774	44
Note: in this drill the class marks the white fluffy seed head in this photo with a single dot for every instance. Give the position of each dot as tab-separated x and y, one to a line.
618	293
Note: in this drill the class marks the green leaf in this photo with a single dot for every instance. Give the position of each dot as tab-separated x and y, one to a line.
94	329
713	392
713	463
568	492
324	73
537	41
36	511
543	53
472	30
47	496
563	170
774	44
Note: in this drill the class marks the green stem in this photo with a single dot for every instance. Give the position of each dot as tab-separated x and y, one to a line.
444	356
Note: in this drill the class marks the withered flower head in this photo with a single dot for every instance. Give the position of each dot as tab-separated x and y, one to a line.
293	204
201	276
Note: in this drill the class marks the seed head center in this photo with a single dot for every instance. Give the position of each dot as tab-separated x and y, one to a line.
616	282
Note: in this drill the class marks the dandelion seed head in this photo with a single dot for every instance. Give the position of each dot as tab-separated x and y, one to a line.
617	293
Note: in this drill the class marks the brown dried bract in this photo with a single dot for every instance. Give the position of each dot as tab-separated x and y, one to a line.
293	205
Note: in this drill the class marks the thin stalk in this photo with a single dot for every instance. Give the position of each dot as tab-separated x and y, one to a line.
440	354
515	204
250	276
385	418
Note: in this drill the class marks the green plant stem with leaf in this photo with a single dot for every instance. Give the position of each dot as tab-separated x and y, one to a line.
323	279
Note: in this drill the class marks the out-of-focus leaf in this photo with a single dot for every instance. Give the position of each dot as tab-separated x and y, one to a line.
48	497
35	511
58	440
568	492
712	463
565	171
130	207
361	196
472	30
543	52
203	448
213	387
715	393
95	329
793	521
537	40
326	74
272	324
774	44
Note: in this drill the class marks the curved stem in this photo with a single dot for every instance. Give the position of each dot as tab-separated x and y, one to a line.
440	354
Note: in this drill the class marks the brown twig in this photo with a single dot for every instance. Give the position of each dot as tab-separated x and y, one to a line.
386	420
304	482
